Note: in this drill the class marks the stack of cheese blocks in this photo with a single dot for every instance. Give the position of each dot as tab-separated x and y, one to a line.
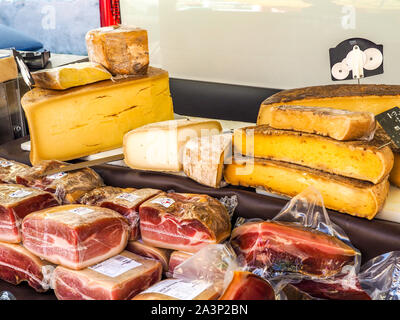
88	107
336	151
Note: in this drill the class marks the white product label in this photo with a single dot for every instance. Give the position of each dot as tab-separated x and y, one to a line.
128	197
81	211
5	164
179	289
20	194
115	266
56	176
165	202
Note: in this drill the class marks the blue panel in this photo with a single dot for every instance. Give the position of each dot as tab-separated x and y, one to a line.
11	38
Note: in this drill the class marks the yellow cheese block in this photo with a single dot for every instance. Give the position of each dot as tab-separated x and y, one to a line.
335	123
80	121
8	69
395	173
366	97
355	197
72	75
356	159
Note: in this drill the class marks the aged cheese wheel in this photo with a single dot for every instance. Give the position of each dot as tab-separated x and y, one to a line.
121	49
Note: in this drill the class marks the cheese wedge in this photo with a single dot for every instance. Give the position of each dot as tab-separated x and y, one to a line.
334	123
81	121
355	197
354	97
121	49
356	159
203	158
72	75
9	69
159	146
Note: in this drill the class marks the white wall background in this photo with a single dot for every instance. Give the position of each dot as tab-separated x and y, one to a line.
264	43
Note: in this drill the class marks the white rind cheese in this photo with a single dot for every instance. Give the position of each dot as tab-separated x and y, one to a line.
159	146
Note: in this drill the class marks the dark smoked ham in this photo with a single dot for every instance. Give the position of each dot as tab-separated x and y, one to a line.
125	201
119	278
17	201
182	221
285	247
67	186
144	250
17	265
75	236
9	170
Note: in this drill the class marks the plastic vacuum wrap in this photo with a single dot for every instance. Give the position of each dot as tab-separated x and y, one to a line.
217	265
300	243
67	186
9	170
75	236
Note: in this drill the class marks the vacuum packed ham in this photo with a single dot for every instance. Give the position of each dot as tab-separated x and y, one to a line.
176	258
67	186
183	221
17	265
9	170
16	201
125	201
287	247
118	278
75	236
144	250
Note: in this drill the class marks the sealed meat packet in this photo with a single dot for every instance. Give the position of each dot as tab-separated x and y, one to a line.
16	202
217	265
9	170
124	201
67	186
299	243
17	265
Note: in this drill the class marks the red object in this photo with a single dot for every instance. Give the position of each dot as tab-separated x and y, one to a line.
110	13
285	247
176	258
75	236
248	286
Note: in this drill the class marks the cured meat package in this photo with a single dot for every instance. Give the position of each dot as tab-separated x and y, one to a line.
144	250
182	221
9	170
17	201
75	236
120	277
124	201
176	258
17	265
67	186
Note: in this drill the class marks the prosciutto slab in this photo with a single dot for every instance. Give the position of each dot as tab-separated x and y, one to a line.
182	221
286	247
17	265
9	170
16	202
118	278
176	258
144	250
124	201
67	186
75	236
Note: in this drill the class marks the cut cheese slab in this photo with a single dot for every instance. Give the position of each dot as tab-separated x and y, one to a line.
9	69
159	146
367	161
203	158
334	123
375	98
118	278
93	118
72	75
355	197
395	173
121	49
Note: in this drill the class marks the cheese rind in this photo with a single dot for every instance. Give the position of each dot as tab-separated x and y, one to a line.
121	49
94	118
334	123
355	197
365	97
367	161
71	75
203	158
159	146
